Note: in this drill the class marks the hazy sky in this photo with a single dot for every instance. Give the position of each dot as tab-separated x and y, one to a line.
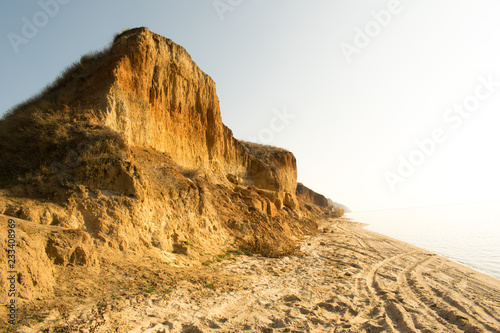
349	87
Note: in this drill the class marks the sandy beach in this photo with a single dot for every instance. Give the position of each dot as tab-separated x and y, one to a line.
345	279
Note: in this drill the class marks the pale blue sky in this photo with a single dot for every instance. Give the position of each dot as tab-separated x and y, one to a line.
353	120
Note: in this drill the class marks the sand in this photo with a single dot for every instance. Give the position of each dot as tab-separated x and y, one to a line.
345	279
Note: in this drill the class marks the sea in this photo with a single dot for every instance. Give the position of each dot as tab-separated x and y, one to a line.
468	234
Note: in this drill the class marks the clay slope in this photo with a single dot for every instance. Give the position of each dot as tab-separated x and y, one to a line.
125	155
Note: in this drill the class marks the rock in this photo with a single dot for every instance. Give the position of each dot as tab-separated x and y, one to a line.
256	203
278	203
309	195
55	252
271	195
291	299
234	179
290	201
242	227
270	208
79	256
180	248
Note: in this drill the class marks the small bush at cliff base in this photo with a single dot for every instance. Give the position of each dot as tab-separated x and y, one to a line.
338	212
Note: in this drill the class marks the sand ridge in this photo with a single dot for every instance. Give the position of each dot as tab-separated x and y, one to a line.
345	279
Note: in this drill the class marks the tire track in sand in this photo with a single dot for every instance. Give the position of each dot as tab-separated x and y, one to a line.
396	314
405	277
451	311
449	315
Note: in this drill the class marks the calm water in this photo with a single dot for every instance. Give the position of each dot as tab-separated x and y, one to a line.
467	234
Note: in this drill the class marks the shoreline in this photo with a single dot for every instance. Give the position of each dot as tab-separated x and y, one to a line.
455	259
344	279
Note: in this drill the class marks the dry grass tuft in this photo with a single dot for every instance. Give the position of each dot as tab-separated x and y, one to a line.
260	151
47	97
43	137
49	148
192	174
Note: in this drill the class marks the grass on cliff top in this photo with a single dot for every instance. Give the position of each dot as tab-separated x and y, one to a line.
49	97
42	147
260	150
47	134
268	154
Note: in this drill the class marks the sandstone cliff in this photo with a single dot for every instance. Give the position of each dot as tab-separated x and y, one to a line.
126	154
149	91
310	196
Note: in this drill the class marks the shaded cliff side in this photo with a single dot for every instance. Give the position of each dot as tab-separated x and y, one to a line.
126	154
310	196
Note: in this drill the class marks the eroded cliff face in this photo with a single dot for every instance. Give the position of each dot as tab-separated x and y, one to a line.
306	194
155	95
159	97
126	154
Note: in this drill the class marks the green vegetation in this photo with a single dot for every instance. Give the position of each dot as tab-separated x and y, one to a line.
235	252
338	212
39	318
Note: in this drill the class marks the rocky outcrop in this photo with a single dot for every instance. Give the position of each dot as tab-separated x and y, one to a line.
149	91
159	97
274	169
310	196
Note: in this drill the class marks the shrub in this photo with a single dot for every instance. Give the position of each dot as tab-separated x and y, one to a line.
339	212
192	173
